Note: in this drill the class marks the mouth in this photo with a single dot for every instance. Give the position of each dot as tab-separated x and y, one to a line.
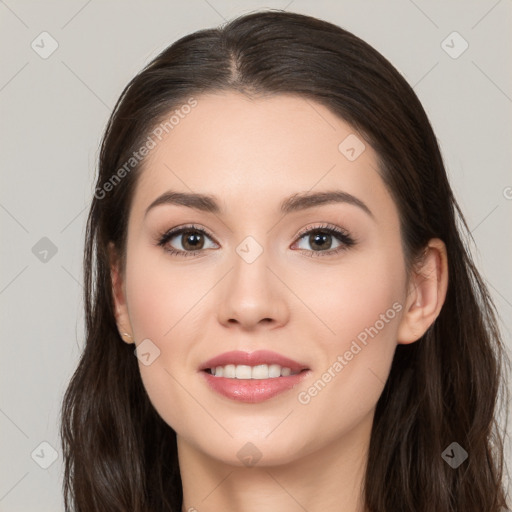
252	377
259	372
261	364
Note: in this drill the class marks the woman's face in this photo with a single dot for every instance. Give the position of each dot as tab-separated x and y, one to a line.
266	274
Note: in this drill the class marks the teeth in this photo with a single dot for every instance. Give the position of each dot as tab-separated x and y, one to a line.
242	371
229	371
274	370
259	372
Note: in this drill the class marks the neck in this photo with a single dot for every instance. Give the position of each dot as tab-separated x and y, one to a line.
326	480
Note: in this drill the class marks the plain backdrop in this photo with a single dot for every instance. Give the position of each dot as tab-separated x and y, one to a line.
53	112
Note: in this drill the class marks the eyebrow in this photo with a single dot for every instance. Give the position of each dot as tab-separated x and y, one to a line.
297	202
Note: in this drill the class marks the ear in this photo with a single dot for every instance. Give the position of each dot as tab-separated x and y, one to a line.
119	296
426	294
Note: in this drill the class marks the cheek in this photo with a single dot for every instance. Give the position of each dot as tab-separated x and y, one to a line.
361	303
161	296
164	303
352	296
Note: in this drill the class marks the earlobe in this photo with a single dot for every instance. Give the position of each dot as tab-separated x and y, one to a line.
427	293
119	297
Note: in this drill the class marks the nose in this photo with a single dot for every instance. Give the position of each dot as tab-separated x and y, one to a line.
252	296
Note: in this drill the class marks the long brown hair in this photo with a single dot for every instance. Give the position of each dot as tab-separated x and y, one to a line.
120	455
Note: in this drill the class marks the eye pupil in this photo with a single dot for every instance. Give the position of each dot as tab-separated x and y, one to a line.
319	239
193	240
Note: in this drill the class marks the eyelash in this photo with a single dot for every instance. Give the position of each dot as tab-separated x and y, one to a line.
343	236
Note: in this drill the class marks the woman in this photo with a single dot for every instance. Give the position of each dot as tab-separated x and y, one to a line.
274	238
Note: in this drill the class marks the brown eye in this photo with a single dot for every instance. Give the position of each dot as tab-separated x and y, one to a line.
186	241
192	240
321	241
324	240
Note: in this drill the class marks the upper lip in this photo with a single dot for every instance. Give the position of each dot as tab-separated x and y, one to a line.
258	357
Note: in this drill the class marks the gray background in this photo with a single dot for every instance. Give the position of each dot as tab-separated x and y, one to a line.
53	112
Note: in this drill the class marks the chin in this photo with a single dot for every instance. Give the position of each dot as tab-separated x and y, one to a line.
254	450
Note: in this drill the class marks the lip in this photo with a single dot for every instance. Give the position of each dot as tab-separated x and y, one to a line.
253	390
253	359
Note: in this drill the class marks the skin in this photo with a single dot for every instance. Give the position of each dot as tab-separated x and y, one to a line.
251	154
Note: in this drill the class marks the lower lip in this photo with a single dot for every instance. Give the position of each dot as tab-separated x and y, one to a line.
253	390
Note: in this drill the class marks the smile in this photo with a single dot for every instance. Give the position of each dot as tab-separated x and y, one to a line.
242	371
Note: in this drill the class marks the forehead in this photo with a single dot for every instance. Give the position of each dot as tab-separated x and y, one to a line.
257	151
